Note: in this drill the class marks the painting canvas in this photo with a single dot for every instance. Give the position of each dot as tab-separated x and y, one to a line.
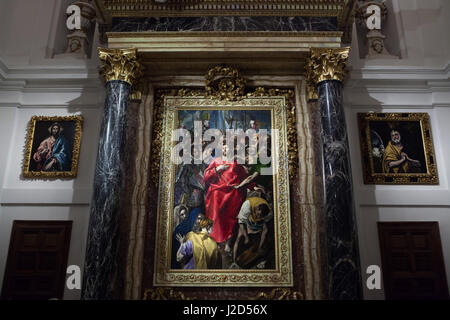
397	148
53	145
223	219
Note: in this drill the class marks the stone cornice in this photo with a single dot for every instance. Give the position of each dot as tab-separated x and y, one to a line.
343	10
401	73
149	8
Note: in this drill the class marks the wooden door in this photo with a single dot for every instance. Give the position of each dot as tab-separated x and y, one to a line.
412	260
37	260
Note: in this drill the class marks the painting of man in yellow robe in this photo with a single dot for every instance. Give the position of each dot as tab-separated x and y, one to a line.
396	159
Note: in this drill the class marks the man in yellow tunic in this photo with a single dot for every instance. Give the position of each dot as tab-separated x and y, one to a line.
394	159
198	249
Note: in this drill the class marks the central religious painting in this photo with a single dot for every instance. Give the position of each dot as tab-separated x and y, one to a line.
224	213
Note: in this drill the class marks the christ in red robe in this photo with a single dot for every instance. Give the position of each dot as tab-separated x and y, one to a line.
227	191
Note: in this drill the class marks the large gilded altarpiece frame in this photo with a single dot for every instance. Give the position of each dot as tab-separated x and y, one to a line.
281	274
298	272
274	62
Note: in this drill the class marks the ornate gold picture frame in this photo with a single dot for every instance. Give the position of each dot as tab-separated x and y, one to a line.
397	148
52	147
277	273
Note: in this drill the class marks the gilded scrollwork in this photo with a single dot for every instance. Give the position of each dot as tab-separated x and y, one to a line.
311	91
161	293
325	64
121	64
279	294
222	82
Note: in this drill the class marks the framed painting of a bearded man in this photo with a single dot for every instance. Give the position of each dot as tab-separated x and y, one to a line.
397	148
223	213
53	146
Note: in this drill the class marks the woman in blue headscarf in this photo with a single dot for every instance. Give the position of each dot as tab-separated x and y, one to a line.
183	229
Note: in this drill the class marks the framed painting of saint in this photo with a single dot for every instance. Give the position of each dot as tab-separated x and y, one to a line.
223	211
52	147
397	148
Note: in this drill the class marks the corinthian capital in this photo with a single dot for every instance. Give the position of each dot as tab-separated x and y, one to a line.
120	64
325	64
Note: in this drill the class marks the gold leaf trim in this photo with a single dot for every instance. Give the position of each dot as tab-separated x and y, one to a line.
160	293
120	64
325	64
282	275
279	294
223	82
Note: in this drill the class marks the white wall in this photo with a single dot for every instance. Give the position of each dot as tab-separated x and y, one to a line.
400	203
79	214
33	83
37	199
418	82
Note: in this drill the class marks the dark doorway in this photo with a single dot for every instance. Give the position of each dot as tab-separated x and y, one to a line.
37	260
413	264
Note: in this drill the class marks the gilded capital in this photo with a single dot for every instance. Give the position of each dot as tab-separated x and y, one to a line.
325	64
120	64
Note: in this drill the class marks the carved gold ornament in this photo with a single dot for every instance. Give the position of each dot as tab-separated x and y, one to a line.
120	64
161	293
311	91
279	294
325	64
164	293
224	83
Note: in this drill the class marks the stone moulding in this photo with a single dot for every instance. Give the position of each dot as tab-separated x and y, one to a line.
134	8
342	10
